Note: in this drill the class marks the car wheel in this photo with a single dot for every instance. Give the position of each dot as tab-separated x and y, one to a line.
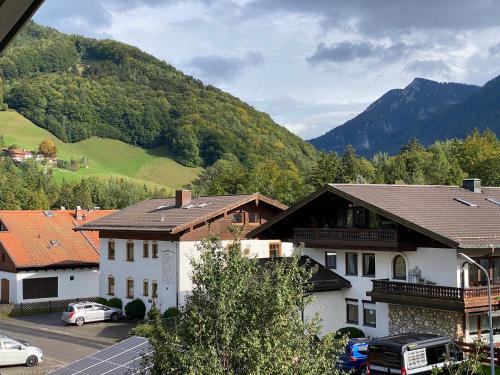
114	317
32	361
79	321
363	371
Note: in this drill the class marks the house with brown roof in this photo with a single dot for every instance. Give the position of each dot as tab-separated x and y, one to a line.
43	258
400	248
146	249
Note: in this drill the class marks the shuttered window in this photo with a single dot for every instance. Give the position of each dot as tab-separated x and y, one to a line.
41	287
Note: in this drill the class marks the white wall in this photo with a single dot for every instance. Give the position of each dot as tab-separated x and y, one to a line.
438	265
85	284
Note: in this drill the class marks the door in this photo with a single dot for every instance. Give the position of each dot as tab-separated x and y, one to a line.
13	353
102	312
4	294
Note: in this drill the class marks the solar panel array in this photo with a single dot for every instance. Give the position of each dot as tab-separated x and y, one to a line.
124	358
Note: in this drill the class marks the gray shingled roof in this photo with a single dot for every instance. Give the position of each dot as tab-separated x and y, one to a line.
429	209
163	215
323	279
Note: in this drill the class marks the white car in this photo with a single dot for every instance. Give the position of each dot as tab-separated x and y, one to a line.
17	352
79	313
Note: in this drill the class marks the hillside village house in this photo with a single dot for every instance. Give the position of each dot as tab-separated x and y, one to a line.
399	246
42	258
146	248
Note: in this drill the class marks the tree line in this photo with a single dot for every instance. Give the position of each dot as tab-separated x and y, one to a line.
443	163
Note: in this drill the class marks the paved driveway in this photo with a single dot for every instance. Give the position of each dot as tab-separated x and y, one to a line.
61	344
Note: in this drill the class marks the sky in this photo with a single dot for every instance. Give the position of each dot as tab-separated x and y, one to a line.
310	64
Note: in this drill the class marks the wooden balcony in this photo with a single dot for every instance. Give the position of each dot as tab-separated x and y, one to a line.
333	238
434	296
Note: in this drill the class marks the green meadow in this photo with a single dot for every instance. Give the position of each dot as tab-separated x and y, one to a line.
106	157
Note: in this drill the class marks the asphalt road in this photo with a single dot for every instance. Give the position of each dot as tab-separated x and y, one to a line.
61	344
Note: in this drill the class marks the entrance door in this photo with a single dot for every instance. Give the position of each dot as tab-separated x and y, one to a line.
4	294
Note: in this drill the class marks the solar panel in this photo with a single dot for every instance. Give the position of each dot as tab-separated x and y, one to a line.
493	200
466	202
124	358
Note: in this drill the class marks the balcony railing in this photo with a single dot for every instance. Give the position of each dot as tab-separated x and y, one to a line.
432	295
329	234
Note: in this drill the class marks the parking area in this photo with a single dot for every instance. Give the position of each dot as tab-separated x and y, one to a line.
61	344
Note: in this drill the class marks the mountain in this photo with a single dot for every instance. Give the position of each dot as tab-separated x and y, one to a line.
395	115
78	88
104	157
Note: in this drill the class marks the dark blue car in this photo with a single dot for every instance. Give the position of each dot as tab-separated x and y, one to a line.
355	356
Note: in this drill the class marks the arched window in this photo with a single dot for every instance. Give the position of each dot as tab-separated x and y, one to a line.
399	268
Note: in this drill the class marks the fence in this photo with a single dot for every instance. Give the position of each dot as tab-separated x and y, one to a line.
33	308
471	348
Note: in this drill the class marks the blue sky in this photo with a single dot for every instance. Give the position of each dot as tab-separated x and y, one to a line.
310	64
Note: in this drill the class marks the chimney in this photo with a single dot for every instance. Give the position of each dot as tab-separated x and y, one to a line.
78	213
182	198
472	184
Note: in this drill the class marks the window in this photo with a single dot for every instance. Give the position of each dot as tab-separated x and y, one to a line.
3	257
238	218
352	311
111	286
8	344
351	264
71	278
145	288
130	251
145	249
155	250
130	288
331	260
40	287
253	218
399	268
111	249
369	265
369	314
154	289
274	249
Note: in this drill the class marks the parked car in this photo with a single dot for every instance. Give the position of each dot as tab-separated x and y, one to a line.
18	352
79	313
411	353
355	356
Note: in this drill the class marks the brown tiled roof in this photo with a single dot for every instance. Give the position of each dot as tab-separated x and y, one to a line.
36	240
323	279
429	209
163	215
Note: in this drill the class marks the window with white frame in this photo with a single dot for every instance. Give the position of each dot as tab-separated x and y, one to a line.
331	260
369	314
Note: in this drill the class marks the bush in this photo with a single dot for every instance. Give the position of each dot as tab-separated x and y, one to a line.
115	302
101	300
350	332
171	312
135	309
143	330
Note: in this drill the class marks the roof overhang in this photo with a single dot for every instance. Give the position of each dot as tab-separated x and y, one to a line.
13	16
332	189
69	266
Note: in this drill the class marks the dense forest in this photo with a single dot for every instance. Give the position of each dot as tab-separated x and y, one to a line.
78	87
31	186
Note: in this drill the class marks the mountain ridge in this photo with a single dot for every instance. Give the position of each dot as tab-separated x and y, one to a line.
388	123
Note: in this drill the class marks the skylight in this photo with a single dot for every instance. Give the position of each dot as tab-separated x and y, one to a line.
493	200
466	202
48	213
200	205
54	243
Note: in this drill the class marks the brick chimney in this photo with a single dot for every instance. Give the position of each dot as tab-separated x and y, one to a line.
182	198
78	213
472	184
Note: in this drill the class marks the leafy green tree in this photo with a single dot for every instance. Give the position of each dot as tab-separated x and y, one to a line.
327	169
228	325
48	148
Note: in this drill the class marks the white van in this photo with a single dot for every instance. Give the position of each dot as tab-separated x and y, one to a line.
17	352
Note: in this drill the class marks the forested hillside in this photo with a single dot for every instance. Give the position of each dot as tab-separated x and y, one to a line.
77	87
396	117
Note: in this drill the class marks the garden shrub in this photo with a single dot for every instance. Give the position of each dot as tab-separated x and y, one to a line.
135	309
115	302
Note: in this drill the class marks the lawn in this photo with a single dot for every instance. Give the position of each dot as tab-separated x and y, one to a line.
106	157
486	370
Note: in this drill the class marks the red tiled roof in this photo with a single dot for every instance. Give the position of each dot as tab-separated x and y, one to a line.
34	239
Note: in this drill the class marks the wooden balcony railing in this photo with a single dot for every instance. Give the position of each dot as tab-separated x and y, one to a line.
433	295
329	234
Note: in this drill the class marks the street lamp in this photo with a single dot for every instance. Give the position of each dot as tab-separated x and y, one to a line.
490	319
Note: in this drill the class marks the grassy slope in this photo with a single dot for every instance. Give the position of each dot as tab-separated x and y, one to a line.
106	157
